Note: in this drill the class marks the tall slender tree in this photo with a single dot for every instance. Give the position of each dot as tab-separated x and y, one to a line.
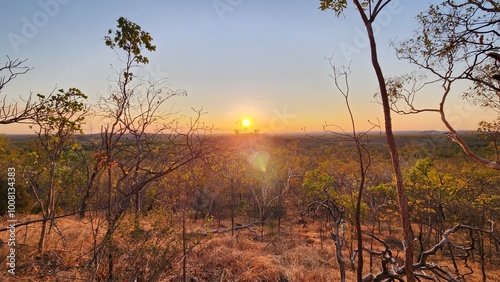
140	142
368	11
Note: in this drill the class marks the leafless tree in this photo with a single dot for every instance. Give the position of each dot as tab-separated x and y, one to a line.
329	209
431	270
368	12
341	79
12	111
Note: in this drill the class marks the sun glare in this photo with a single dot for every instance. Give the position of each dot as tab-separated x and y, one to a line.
245	122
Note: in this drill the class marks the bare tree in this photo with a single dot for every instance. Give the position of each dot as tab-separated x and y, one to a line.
326	207
12	111
265	192
368	11
425	269
341	76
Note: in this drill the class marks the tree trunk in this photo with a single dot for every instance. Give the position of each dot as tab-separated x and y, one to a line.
49	213
391	142
137	212
108	243
232	209
88	192
338	250
184	247
481	248
359	235
41	242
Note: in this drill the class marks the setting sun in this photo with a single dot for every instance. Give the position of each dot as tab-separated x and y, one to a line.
245	122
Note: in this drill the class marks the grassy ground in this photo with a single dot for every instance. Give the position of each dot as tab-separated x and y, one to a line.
296	254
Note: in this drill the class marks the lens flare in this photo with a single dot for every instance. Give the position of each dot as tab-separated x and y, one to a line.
259	160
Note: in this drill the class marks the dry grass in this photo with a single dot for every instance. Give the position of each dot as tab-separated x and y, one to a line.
67	248
242	259
295	255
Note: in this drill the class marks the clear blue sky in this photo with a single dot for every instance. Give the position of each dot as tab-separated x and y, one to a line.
263	60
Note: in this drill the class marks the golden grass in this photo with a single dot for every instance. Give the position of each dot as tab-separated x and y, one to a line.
67	249
294	255
242	258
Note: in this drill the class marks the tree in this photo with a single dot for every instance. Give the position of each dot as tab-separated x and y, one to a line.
491	132
290	169
230	167
263	185
140	142
319	187
10	156
457	41
368	11
362	156
12	112
429	191
59	117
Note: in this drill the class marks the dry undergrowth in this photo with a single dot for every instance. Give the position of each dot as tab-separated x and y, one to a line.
67	248
243	259
155	255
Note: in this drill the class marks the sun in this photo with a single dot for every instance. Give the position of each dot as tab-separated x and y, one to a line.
245	122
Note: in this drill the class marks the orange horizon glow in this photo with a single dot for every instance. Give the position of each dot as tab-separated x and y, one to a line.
300	119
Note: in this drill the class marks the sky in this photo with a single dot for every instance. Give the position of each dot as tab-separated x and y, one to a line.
265	61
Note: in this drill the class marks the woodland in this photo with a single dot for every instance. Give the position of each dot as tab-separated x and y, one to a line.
260	208
153	197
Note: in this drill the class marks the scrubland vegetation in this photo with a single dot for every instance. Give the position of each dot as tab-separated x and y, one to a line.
279	190
154	196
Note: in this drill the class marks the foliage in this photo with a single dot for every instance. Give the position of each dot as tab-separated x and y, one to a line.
456	41
146	165
11	156
466	194
453	41
56	120
132	39
337	6
491	131
62	113
317	183
429	190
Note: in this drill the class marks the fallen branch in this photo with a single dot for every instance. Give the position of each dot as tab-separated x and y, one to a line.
41	219
390	270
213	231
